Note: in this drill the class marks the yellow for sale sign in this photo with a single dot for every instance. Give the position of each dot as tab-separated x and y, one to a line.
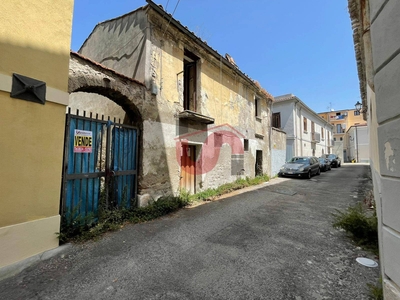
82	141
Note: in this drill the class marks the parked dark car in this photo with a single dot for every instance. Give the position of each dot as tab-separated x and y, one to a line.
334	160
301	166
324	164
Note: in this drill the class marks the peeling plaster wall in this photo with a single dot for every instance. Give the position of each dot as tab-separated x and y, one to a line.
125	44
221	94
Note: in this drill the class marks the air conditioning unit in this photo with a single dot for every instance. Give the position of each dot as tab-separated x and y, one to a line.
316	137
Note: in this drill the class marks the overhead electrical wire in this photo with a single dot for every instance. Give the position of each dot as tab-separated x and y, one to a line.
171	17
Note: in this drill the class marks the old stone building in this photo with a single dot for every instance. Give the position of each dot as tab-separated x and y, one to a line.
203	121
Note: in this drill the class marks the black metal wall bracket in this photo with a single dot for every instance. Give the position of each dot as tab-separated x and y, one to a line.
29	89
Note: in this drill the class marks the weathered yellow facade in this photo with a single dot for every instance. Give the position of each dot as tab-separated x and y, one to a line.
196	97
34	42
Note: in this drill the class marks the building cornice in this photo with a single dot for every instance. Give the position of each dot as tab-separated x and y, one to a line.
295	99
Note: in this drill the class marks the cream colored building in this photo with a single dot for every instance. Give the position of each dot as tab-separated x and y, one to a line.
357	143
376	26
342	121
34	55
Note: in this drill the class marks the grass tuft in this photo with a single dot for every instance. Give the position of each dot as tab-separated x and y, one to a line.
361	222
80	230
240	183
376	290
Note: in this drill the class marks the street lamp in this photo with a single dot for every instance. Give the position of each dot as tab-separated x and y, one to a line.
360	108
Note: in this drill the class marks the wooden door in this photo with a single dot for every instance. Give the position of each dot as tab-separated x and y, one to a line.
188	168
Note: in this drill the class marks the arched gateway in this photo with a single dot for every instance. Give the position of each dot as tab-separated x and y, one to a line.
101	155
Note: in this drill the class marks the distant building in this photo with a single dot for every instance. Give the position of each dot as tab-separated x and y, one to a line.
342	120
306	132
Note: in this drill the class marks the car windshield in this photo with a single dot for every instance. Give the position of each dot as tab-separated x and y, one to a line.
300	160
331	156
321	159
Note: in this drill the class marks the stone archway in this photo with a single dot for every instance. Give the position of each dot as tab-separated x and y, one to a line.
88	76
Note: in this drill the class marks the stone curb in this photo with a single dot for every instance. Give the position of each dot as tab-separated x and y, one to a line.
14	269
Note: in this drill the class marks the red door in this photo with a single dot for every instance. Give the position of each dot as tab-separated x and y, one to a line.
188	168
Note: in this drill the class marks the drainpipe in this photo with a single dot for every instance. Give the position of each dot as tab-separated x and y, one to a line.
301	133
270	137
357	143
324	129
295	129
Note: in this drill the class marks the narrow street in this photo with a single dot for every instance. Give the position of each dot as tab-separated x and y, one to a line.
273	242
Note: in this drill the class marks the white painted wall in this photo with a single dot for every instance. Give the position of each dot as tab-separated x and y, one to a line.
299	141
384	123
359	143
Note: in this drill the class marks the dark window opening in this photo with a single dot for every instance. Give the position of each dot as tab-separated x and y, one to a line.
246	145
276	120
190	81
356	113
258	107
258	166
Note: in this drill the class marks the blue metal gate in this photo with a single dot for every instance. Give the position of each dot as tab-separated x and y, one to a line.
100	166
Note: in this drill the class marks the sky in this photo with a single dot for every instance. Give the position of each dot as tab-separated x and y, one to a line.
295	47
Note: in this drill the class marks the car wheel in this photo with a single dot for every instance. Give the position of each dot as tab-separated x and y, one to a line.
339	165
308	176
319	171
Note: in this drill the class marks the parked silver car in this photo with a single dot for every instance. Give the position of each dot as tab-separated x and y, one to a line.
333	159
301	166
324	164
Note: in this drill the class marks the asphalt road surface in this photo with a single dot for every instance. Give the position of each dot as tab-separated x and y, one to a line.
275	241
